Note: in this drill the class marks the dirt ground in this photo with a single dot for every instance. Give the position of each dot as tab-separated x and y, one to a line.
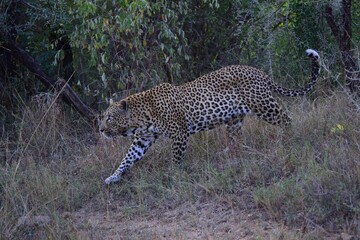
209	221
214	220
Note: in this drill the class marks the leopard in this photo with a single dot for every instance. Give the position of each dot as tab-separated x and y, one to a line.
224	96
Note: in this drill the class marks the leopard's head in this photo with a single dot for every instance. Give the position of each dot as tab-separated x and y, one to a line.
118	119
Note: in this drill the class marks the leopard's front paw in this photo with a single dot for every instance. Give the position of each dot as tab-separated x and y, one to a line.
112	179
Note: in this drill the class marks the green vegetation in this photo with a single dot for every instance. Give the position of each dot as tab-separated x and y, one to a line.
303	181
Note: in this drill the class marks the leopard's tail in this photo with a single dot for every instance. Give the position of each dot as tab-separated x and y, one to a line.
315	57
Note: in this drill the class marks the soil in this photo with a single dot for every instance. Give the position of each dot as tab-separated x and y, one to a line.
215	220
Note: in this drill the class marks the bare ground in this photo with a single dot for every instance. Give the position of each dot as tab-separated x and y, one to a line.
214	220
209	221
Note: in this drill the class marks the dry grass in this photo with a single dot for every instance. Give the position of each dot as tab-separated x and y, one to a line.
296	183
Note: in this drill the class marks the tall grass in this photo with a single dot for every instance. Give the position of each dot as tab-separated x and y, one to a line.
41	176
306	176
323	150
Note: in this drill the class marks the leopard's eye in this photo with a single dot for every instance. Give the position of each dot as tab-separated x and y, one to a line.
109	118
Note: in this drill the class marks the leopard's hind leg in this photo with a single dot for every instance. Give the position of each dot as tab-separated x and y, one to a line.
270	111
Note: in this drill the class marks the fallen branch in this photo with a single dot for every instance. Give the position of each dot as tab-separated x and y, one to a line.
67	93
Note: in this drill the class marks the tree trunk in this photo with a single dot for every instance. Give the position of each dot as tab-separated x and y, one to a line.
343	38
67	93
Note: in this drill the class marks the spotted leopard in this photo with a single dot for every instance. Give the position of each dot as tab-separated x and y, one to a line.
224	96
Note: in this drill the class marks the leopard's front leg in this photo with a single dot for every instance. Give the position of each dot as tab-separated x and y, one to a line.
136	151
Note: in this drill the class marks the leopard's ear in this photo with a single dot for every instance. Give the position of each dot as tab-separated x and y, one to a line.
124	105
111	101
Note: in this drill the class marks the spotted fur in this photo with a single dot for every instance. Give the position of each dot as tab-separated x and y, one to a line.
224	96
